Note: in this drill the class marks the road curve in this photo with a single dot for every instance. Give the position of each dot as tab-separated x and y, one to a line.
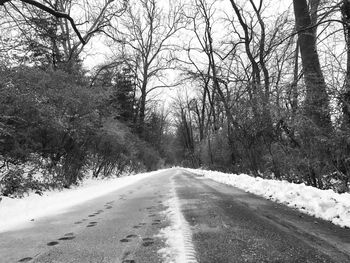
227	225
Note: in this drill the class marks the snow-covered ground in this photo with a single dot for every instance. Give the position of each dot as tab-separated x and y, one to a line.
325	204
17	213
177	235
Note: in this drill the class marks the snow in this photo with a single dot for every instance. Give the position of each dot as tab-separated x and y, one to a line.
325	204
177	235
17	213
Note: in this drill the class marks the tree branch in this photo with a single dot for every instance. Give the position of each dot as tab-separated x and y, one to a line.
52	12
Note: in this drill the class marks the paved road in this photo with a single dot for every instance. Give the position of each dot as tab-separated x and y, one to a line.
118	227
228	225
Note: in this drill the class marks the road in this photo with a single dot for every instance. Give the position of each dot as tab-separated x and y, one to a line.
228	225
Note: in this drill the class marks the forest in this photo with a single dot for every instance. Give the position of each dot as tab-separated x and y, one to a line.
111	87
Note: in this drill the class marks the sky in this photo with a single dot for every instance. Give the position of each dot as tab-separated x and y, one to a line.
97	51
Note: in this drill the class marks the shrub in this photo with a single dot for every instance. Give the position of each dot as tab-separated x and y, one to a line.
15	183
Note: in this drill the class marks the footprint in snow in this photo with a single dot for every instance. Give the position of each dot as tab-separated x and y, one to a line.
131	236
52	243
92	224
67	238
147	244
147	241
25	259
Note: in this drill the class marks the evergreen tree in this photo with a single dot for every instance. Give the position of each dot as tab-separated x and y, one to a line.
123	96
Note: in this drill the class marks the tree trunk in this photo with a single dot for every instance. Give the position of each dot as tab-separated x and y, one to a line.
345	97
294	85
142	109
316	101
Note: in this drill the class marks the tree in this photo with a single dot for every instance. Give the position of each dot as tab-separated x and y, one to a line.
51	11
316	101
345	97
123	96
185	133
144	33
46	28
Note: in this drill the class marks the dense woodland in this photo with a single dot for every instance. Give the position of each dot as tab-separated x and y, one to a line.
259	87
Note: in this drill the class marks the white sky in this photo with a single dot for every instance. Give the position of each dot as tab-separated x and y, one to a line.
98	52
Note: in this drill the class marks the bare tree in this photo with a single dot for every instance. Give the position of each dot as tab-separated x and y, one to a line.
144	33
51	11
317	101
345	98
257	55
59	22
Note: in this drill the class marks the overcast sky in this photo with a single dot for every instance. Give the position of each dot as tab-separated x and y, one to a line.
98	52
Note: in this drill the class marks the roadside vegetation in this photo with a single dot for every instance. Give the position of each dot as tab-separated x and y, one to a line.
260	88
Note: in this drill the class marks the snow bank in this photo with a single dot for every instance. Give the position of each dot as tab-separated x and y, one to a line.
16	213
325	204
178	237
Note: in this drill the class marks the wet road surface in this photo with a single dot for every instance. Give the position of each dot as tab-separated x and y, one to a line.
228	225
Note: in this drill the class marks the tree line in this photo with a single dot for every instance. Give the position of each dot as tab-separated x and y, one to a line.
60	118
272	90
262	88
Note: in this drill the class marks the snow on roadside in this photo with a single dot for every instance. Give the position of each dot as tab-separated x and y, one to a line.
178	237
16	213
325	204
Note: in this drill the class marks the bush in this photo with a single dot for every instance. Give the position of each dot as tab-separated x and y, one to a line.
52	115
14	183
49	113
148	156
